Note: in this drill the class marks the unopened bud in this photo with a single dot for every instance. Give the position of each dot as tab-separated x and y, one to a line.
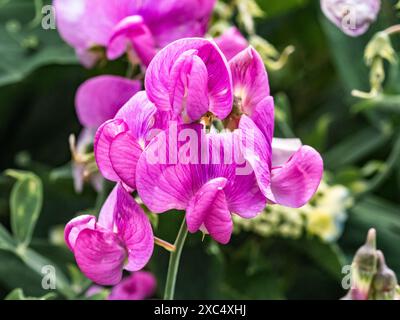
364	268
384	284
380	47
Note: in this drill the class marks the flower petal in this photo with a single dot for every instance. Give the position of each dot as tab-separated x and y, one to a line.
108	210
75	226
132	29
283	149
102	143
138	286
124	155
139	114
188	86
257	151
100	255
294	183
231	42
99	98
158	76
135	231
209	208
250	79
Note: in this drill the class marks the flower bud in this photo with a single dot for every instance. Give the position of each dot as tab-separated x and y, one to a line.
384	284
353	17
380	46
364	268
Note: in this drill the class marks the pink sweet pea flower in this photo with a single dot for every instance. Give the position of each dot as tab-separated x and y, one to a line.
353	17
139	26
119	142
231	42
292	183
122	238
188	78
209	189
140	285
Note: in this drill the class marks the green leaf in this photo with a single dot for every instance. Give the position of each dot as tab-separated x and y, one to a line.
18	294
25	45
25	204
6	240
37	262
355	148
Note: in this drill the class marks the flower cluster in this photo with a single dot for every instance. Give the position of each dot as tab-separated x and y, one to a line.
199	138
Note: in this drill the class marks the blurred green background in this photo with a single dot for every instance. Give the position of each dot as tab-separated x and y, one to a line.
39	75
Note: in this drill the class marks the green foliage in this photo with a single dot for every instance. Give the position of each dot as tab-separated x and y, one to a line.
25	204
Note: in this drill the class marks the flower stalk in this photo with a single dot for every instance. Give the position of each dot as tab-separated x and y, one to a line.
174	262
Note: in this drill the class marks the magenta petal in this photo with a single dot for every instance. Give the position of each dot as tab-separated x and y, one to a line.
295	182
250	79
135	231
100	255
124	155
263	117
209	209
188	86
132	29
257	151
102	143
108	210
138	286
99	98
231	42
283	149
244	196
75	226
139	114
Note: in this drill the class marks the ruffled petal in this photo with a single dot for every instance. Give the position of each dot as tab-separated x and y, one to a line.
102	143
250	79
134	229
209	209
100	255
75	226
257	151
98	99
295	182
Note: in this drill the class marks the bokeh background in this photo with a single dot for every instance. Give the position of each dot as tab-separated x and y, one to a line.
39	75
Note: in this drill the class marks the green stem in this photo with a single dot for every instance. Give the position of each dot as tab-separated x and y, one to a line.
174	262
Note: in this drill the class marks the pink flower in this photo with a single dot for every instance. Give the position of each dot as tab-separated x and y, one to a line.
353	17
209	189
291	183
122	238
139	26
231	42
138	286
188	78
